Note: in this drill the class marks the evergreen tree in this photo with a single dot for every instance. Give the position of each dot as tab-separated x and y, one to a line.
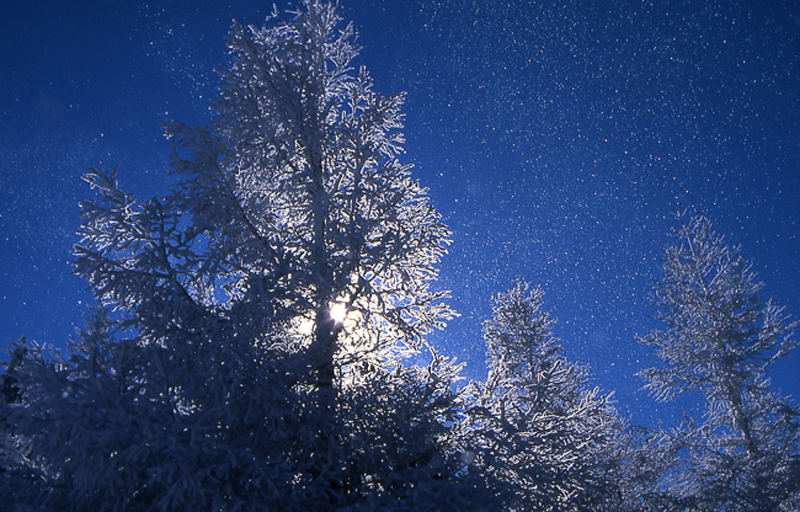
247	354
718	341
536	428
18	475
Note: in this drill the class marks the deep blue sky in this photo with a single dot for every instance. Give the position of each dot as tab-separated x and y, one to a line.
557	139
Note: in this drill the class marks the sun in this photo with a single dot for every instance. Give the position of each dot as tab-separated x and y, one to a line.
338	312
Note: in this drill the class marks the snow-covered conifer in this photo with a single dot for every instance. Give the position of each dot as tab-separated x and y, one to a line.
536	428
215	375
719	338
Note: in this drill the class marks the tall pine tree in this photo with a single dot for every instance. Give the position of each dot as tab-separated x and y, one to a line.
718	340
248	349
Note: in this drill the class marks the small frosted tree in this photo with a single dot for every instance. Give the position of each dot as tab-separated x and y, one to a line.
535	427
253	322
718	340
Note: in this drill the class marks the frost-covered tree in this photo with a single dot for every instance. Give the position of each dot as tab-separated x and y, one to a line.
541	434
296	191
247	353
18	473
718	340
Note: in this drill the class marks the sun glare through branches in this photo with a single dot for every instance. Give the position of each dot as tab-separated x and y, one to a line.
338	312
